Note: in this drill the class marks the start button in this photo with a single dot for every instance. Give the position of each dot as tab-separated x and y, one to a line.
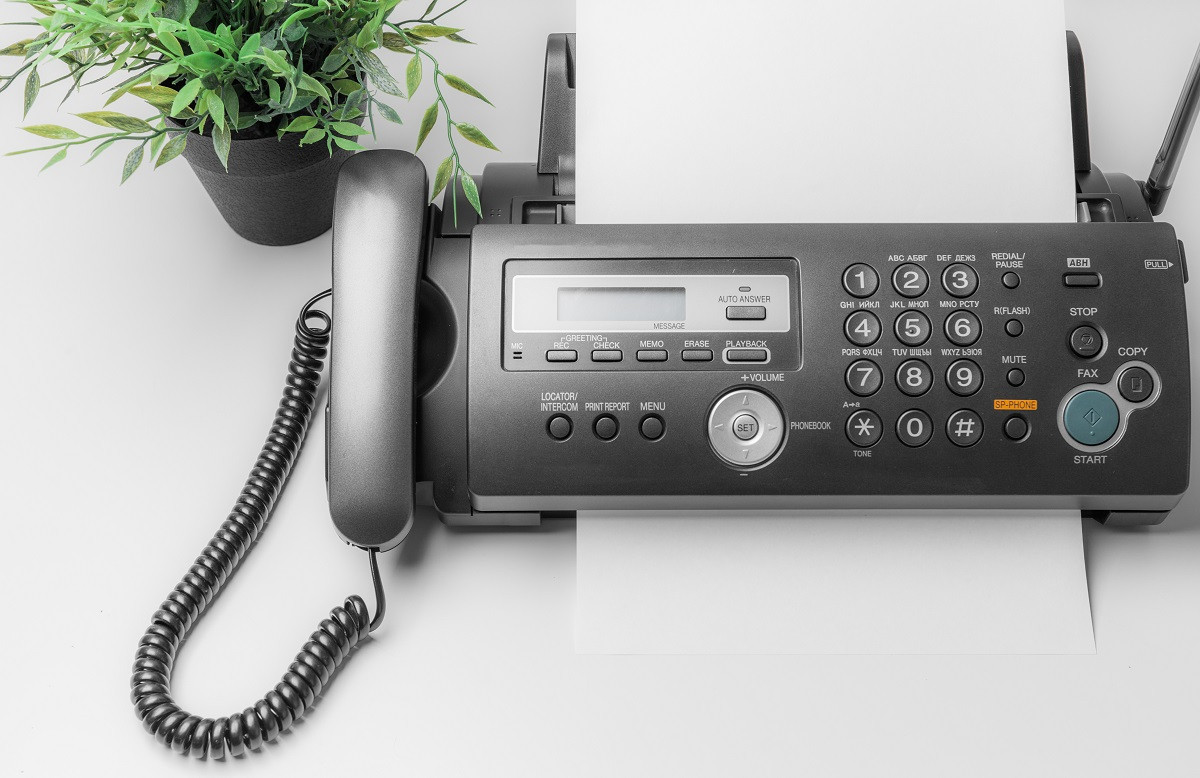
1091	417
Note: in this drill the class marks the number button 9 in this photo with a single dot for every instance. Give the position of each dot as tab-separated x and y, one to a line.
860	280
862	328
962	328
910	280
964	377
912	328
960	280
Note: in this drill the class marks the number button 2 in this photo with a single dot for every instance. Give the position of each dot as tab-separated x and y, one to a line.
910	280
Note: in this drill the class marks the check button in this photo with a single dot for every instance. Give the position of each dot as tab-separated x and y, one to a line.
606	355
745	312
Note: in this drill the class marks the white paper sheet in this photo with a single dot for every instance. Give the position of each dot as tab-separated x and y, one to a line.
854	111
848	111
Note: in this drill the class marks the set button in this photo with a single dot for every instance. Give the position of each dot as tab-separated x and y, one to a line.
910	280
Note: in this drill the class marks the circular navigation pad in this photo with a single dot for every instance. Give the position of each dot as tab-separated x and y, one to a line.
745	427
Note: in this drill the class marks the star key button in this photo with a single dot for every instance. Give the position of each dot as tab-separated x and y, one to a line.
864	428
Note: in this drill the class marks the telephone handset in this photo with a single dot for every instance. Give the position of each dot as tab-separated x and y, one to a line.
379	227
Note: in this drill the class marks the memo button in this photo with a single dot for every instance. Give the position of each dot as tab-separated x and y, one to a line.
1091	418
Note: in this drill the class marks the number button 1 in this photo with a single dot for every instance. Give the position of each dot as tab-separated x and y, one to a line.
862	328
960	280
864	378
912	328
964	377
914	377
962	328
910	280
860	280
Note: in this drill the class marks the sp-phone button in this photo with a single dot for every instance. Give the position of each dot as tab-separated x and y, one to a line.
1016	427
1135	384
1091	417
1086	341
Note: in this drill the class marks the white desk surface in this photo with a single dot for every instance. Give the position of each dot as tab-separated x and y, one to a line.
144	353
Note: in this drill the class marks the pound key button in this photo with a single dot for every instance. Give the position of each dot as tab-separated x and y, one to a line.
964	428
1091	417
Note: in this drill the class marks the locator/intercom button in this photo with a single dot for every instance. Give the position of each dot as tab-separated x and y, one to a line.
745	312
1086	341
697	355
652	427
652	355
1091	417
606	427
860	280
606	355
864	428
559	427
562	355
1135	384
746	355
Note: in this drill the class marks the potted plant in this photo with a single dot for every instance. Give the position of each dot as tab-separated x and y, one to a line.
264	98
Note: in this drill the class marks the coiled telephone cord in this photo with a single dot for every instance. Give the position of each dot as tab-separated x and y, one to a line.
327	648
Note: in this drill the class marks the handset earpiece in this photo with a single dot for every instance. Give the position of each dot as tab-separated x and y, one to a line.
378	235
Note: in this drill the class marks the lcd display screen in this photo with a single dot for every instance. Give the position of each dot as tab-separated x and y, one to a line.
622	303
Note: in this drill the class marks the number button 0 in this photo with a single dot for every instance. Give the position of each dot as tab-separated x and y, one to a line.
964	377
960	280
862	328
914	377
912	328
914	428
910	280
864	378
962	328
860	280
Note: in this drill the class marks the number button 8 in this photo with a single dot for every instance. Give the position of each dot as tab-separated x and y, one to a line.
914	377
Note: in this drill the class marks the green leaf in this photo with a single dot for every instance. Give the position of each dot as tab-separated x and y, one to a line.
458	39
388	112
301	124
348	129
379	73
172	150
427	121
170	42
394	42
473	134
115	120
334	62
100	149
221	141
32	85
464	87
52	131
310	84
186	96
312	136
346	86
250	46
444	171
348	145
471	191
59	157
143	8
201	61
156	143
412	76
18	49
216	107
233	108
434	30
133	161
158	96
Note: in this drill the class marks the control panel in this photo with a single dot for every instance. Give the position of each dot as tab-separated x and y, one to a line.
844	366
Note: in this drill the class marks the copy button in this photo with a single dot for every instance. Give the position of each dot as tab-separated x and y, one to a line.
1091	417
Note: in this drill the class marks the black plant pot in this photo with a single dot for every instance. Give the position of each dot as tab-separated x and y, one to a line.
276	192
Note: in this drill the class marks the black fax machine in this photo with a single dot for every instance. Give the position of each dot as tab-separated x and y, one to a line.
519	367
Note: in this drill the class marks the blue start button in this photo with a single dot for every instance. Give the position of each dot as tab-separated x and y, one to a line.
1091	417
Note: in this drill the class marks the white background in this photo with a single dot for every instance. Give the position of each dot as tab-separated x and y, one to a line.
144	353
